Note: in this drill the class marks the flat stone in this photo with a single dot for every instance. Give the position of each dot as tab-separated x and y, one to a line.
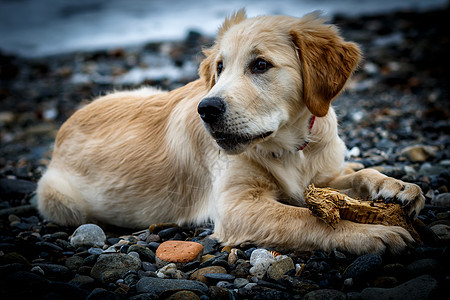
219	276
199	275
178	252
419	288
88	235
110	267
159	285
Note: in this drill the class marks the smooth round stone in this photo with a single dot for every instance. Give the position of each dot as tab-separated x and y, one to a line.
88	235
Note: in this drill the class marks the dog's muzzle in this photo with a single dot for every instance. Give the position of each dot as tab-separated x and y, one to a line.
211	109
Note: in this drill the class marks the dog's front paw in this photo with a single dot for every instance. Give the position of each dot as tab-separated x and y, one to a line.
407	194
367	238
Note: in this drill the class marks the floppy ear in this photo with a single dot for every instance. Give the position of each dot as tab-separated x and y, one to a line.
327	61
207	68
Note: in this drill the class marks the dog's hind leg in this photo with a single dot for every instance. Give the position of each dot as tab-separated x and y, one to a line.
58	201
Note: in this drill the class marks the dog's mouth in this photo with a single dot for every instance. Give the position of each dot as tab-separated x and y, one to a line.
233	142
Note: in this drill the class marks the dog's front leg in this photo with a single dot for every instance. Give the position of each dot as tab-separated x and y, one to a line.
247	211
373	184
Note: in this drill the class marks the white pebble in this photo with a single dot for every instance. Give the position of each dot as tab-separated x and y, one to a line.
261	259
165	271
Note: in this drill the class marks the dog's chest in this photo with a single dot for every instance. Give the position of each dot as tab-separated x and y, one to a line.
292	177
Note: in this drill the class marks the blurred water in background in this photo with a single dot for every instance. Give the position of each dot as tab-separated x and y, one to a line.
35	28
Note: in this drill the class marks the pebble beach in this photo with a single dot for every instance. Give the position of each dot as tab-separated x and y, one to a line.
394	116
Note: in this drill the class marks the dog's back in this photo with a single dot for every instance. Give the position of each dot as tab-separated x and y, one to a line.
130	169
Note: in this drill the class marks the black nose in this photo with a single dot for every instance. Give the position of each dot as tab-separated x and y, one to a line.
211	109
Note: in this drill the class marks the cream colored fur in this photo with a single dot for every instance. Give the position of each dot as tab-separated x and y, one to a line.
135	158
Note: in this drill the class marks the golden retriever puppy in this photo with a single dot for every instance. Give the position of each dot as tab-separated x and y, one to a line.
238	146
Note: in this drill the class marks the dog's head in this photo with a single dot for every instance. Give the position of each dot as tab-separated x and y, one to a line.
265	73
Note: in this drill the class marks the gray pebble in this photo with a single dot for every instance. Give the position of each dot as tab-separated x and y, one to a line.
88	235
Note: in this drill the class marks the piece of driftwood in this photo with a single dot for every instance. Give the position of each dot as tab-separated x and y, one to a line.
331	206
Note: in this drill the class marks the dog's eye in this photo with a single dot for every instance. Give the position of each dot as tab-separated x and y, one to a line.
260	66
219	67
